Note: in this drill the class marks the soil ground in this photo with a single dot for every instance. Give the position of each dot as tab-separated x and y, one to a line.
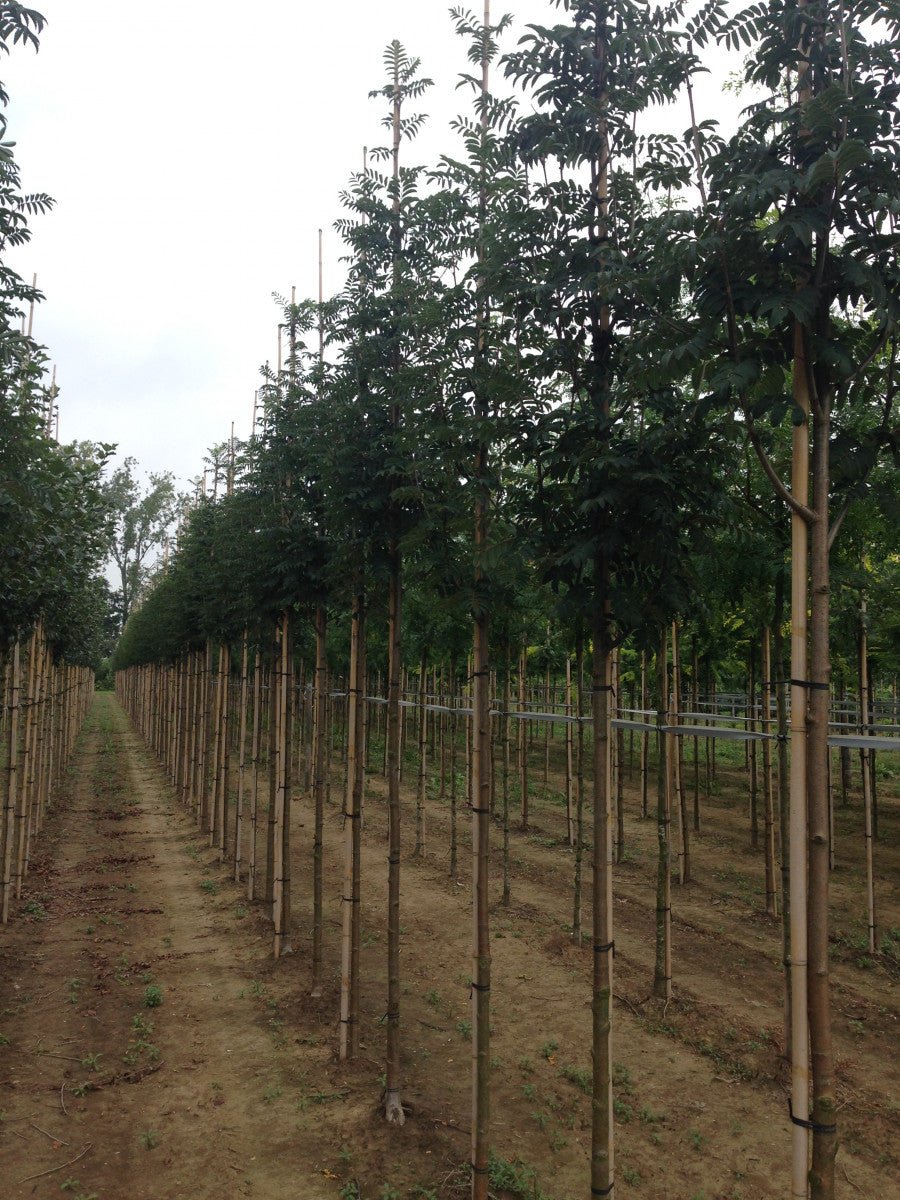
150	1046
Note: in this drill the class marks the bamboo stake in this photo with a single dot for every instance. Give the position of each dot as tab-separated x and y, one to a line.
662	976
254	778
242	764
570	747
319	768
866	763
645	739
766	689
579	785
423	759
798	806
523	733
349	1018
481	736
12	784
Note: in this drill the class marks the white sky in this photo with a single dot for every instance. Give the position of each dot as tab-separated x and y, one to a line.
194	148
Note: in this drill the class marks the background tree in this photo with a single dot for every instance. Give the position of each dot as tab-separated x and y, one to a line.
141	520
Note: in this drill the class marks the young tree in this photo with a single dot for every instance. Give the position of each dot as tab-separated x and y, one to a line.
793	276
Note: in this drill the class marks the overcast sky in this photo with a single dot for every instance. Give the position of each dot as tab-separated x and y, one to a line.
194	148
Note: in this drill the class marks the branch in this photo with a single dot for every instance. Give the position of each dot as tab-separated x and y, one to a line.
807	514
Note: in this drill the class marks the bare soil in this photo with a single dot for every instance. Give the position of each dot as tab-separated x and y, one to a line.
150	1047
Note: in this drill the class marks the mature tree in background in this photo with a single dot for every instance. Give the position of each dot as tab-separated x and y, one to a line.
141	520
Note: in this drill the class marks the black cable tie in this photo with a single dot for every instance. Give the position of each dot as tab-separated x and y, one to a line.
605	947
603	687
478	1170
349	899
393	862
481	987
482	811
603	1191
807	683
815	1126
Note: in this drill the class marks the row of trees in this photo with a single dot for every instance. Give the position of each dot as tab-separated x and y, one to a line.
583	370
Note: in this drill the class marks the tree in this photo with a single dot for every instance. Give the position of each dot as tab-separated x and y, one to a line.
141	521
792	272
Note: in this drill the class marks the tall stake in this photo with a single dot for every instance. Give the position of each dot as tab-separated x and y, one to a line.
866	764
797	850
481	719
349	1022
393	1109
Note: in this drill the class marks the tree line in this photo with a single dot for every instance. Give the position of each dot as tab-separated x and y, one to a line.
592	375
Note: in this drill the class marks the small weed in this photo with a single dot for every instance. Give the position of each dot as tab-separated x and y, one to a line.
257	989
631	1177
167	940
558	1142
82	1089
209	886
464	1029
515	1178
528	1090
623	1112
149	1139
344	1155
34	909
91	1061
525	1065
582	1079
350	1191
74	985
73	1185
696	1138
622	1078
152	996
549	1048
240	912
388	1193
649	1117
433	998
271	1094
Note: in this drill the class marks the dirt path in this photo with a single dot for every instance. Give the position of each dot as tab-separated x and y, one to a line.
132	1000
150	1046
